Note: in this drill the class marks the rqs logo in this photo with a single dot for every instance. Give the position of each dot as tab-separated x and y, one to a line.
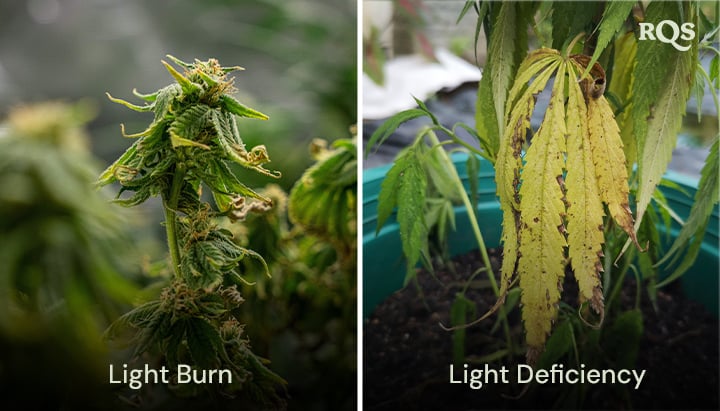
686	32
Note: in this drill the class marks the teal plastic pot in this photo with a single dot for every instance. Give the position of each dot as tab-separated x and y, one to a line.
384	265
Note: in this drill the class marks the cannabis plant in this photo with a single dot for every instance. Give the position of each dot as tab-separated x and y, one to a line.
616	105
61	243
189	145
66	261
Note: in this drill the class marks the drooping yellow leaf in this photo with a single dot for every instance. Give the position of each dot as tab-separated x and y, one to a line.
509	160
585	210
532	66
583	141
521	102
541	263
610	168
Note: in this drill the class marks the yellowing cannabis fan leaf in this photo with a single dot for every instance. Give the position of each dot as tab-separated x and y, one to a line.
585	213
607	153
509	160
541	262
552	197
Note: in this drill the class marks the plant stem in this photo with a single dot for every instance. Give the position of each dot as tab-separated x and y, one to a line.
476	230
461	142
471	212
568	50
170	203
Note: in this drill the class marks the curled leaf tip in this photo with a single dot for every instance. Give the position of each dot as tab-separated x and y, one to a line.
178	61
147	97
128	105
231	69
124	134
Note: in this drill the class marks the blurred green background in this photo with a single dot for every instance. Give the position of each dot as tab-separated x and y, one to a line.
299	56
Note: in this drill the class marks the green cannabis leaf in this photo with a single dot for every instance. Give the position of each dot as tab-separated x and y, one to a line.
693	231
507	47
324	200
405	188
613	18
621	86
661	85
569	19
63	247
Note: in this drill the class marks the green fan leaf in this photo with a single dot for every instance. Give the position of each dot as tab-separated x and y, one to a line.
570	19
390	125
388	197
662	82
507	47
558	345
623	337
692	233
186	127
411	209
621	86
204	342
614	16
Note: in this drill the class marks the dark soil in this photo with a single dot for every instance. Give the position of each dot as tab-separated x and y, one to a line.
407	354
